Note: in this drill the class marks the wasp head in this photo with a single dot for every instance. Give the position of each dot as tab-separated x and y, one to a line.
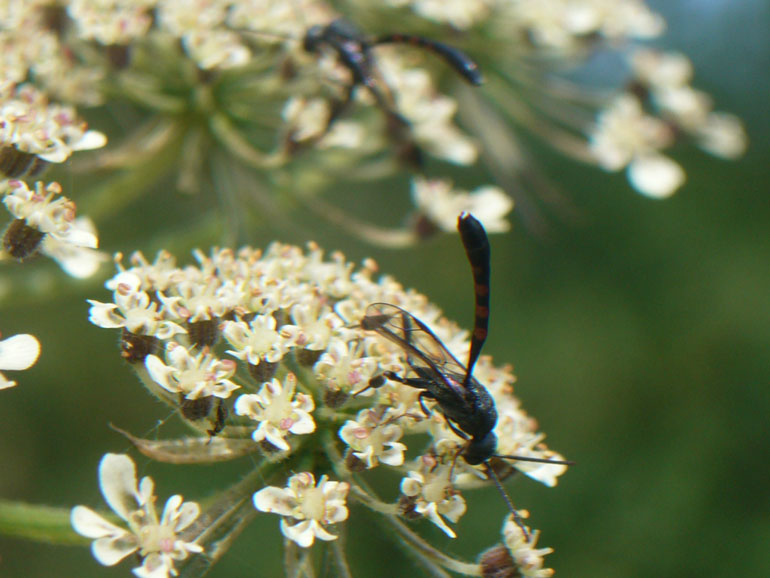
480	450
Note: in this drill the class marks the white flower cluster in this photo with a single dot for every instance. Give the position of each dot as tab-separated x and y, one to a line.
661	107
30	124
281	328
46	223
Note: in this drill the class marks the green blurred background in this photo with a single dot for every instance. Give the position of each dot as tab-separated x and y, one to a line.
640	334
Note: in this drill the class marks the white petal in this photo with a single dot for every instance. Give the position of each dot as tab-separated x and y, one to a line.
655	176
304	425
110	551
155	566
78	262
432	514
117	480
301	533
104	315
188	513
88	523
92	139
547	474
160	373
321	533
274	500
19	352
6	383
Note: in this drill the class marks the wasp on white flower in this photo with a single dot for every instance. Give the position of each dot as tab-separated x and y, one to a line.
298	314
157	541
307	508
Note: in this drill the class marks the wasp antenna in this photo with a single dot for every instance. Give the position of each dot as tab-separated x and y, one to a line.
536	460
516	516
476	244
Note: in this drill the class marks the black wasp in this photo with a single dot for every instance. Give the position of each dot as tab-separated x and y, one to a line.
354	51
465	403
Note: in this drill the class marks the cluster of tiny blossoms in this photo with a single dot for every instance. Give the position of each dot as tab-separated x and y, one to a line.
263	352
33	134
243	68
655	107
242	77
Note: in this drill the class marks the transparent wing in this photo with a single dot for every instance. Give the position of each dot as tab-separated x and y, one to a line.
423	348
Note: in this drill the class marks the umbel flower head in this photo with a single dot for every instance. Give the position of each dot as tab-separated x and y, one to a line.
266	92
288	374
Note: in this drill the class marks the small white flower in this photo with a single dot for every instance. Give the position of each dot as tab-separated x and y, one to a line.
373	438
625	136
132	309
441	204
311	506
279	411
194	376
345	365
256	340
68	240
433	494
16	353
313	327
155	540
527	558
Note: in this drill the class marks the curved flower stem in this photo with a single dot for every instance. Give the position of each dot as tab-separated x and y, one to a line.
431	553
224	518
340	560
381	236
139	147
46	524
222	128
130	184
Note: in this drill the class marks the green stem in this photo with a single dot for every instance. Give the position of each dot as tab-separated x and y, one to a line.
38	523
112	196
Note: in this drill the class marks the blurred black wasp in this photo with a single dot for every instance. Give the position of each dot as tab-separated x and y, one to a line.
466	404
354	51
